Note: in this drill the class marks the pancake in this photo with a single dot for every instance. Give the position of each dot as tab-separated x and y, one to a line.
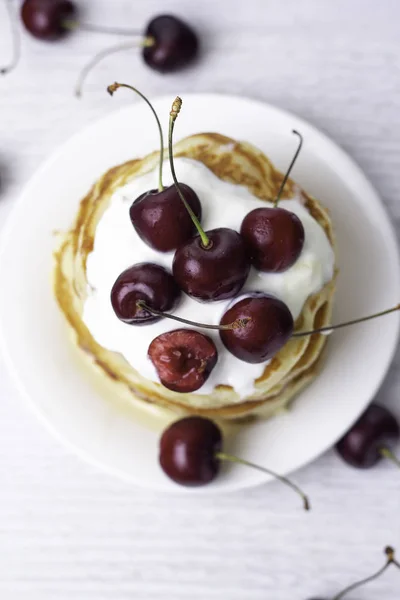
295	365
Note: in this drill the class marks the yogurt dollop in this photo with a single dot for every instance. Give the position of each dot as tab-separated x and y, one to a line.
117	247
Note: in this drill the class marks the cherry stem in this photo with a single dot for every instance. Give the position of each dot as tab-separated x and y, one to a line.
73	25
176	107
235	459
278	196
390	554
330	328
103	54
238	324
113	88
16	41
387	453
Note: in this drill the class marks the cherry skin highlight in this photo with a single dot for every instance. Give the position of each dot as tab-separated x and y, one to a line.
374	431
45	19
161	220
146	282
175	44
188	451
269	327
183	358
215	273
274	238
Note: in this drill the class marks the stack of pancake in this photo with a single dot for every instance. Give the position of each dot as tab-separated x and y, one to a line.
297	363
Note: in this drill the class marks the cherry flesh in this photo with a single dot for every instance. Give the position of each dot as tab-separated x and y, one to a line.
376	430
161	220
274	238
214	273
45	19
183	358
188	451
269	327
175	44
149	283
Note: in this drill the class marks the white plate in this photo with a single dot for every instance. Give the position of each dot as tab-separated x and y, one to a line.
38	352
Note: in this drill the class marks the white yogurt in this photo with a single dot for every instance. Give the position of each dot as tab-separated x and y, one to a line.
117	247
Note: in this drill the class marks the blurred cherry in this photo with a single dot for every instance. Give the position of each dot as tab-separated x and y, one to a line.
158	215
370	438
214	272
175	44
269	327
168	44
213	265
189	451
47	19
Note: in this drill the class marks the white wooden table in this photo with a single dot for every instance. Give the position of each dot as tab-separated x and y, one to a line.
68	532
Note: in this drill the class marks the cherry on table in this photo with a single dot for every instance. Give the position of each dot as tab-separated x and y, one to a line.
183	358
191	454
370	438
46	19
167	45
159	216
143	282
274	236
269	326
175	44
188	451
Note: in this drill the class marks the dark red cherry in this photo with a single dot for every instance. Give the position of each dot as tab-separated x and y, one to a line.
149	283
269	327
370	438
45	19
175	44
213	273
183	358
274	238
188	450
161	220
191	454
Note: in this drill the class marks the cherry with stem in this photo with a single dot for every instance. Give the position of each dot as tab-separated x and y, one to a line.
158	215
149	283
257	326
168	44
274	236
213	265
191	455
270	327
370	438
